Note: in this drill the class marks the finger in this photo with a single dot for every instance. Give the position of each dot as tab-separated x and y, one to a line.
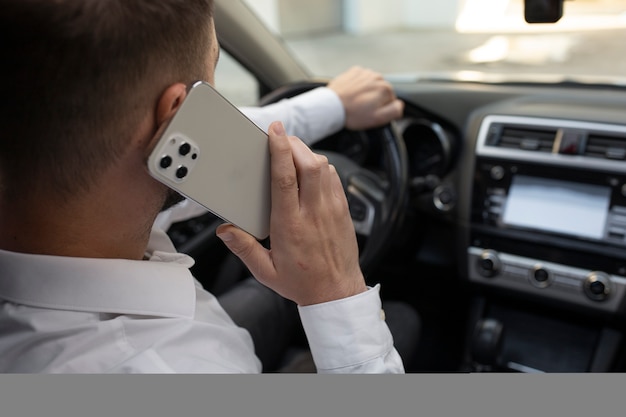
311	169
385	91
243	245
337	186
389	112
284	182
340	203
326	187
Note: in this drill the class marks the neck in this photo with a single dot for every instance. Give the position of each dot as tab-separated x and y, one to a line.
70	231
107	222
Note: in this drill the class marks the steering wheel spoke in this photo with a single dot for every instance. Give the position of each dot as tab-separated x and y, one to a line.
362	211
366	200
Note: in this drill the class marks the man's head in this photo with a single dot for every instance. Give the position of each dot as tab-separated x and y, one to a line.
80	76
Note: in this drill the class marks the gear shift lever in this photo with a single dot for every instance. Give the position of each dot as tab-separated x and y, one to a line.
486	344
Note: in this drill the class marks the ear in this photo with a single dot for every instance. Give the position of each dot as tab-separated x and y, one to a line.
167	105
169	102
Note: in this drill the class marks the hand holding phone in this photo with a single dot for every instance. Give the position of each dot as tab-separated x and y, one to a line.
314	255
213	154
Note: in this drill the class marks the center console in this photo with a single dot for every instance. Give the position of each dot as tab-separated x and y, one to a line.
548	212
547	221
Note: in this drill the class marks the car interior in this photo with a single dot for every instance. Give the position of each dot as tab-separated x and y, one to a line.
495	207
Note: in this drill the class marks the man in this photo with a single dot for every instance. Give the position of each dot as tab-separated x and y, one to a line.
87	285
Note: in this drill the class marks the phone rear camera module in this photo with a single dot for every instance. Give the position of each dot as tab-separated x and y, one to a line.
184	149
166	162
181	172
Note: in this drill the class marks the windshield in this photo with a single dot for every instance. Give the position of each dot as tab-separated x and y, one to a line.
468	39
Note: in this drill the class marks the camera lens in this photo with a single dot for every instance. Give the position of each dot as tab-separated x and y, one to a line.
166	161
184	149
181	172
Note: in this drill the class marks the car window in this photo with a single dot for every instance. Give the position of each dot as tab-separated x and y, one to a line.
468	38
474	40
235	82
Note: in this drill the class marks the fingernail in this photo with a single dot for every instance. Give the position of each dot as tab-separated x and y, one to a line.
225	236
279	129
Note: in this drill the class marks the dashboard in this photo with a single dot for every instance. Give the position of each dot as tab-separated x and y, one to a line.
530	183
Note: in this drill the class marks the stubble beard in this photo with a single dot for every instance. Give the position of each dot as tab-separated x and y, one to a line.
171	199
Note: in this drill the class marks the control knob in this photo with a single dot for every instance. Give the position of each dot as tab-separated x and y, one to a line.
489	264
540	276
597	286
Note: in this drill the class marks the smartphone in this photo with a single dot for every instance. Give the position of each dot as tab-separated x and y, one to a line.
213	154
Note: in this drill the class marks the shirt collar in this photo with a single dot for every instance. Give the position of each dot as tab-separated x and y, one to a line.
161	286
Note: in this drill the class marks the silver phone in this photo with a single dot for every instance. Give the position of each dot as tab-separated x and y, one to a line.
213	154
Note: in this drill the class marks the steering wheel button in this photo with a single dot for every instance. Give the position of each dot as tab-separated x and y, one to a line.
358	210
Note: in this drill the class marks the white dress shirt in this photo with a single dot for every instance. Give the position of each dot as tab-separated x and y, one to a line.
77	315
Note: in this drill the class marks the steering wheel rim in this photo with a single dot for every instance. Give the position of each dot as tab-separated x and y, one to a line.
377	203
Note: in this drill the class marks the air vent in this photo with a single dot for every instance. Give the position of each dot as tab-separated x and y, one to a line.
606	147
527	138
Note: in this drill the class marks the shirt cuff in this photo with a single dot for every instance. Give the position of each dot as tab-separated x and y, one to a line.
347	332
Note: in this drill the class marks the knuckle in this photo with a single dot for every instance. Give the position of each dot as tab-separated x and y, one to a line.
315	170
323	161
315	166
287	182
279	147
283	149
242	250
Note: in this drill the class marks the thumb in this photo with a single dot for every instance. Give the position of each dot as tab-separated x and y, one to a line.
248	249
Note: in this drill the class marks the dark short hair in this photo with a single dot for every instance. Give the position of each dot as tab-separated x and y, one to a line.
77	74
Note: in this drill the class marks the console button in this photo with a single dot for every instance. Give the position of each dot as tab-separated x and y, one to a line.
540	277
571	143
597	286
444	198
497	173
488	264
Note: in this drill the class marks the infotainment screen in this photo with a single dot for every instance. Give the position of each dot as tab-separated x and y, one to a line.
557	206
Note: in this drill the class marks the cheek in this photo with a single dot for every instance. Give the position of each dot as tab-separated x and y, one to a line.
210	72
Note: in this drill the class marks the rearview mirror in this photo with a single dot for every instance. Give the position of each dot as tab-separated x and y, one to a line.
543	11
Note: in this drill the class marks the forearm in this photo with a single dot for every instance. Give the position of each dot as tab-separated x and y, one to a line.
311	116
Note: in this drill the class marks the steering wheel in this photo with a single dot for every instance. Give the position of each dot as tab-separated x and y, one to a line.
377	198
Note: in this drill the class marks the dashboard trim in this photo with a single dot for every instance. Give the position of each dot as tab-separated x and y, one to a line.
578	161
